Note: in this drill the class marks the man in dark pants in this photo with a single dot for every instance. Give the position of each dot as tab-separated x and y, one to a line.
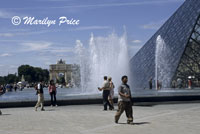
40	94
124	101
106	93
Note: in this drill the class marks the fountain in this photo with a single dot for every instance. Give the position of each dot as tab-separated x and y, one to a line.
162	67
84	64
104	56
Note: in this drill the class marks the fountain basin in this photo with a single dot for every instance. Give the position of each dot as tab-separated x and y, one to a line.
27	98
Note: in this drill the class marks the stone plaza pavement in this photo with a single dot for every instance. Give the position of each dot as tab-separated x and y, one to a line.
90	119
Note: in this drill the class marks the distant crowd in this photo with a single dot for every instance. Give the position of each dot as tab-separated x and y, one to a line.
16	86
9	88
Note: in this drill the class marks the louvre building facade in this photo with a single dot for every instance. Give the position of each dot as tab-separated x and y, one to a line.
181	34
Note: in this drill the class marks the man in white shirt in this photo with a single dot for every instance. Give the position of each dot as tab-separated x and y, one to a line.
106	92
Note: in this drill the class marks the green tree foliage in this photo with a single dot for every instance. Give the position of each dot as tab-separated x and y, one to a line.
33	74
10	78
2	80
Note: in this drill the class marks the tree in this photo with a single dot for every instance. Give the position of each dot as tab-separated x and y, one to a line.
10	78
33	74
2	80
28	72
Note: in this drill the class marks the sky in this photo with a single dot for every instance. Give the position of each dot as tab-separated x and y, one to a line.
41	45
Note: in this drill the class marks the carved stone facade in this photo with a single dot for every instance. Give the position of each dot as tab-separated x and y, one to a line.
70	72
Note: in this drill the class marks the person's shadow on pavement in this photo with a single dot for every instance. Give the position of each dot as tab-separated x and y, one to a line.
4	114
136	123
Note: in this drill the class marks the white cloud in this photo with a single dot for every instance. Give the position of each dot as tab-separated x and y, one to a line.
90	28
153	25
61	49
35	46
6	34
147	2
5	55
23	32
136	41
88	6
40	46
13	66
5	14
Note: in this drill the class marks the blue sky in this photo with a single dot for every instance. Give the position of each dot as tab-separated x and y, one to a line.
39	45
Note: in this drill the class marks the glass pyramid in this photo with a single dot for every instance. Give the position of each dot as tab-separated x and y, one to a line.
181	34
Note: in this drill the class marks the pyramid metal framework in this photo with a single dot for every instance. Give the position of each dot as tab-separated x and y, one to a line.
181	33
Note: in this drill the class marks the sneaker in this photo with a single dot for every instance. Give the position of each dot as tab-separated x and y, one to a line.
116	121
43	109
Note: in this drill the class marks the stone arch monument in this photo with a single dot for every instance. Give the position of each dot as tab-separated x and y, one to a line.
71	72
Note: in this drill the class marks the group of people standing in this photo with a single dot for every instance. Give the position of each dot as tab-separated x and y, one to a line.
108	93
124	98
40	92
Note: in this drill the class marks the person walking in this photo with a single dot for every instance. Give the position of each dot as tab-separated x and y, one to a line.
124	101
111	95
52	92
40	94
106	92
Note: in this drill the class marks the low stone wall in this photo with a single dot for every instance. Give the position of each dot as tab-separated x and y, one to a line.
140	100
